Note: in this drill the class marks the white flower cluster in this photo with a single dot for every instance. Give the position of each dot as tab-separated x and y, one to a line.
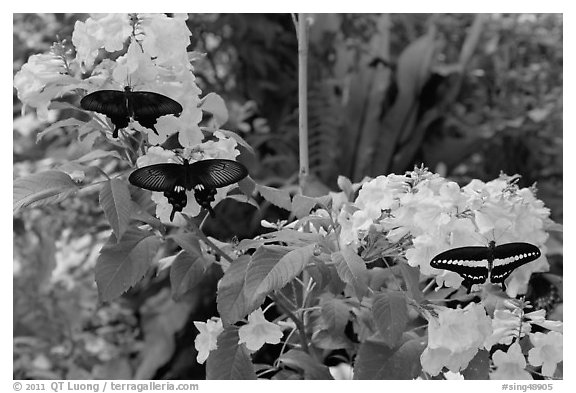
254	334
438	215
456	335
155	59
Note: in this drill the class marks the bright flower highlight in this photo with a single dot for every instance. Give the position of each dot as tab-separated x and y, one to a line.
258	331
439	215
206	340
455	337
547	351
510	364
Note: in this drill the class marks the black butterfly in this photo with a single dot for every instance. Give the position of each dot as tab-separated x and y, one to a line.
143	106
203	176
478	264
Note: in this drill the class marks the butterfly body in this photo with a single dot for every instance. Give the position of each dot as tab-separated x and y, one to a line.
477	265
143	106
204	177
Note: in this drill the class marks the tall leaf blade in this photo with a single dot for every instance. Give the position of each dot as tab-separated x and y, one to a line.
335	314
120	266
231	301
352	270
280	198
70	122
390	313
116	203
230	361
302	361
377	361
285	270
186	272
42	189
258	277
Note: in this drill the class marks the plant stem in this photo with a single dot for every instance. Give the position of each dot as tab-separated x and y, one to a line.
303	98
299	324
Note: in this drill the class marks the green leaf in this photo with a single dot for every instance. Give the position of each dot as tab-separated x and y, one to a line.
190	243
300	360
243	199
231	301
120	266
96	154
270	269
412	279
301	204
280	198
116	203
390	313
285	270
42	189
288	236
70	122
352	270
479	366
335	314
186	272
230	361
378	361
247	186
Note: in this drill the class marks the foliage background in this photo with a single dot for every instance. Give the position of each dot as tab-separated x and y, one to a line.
468	97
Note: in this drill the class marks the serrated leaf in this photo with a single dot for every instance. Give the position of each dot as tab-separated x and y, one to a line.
189	242
352	270
116	204
42	189
96	154
390	313
285	270
230	361
288	236
120	266
280	198
411	277
186	272
258	275
335	314
479	366
243	199
300	360
59	124
140	214
378	361
231	301
301	205
247	186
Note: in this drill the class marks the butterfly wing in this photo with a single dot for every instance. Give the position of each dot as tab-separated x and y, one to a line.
215	173
159	177
509	256
149	104
471	263
111	103
147	107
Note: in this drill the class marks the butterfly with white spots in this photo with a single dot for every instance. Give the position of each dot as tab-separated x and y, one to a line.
477	264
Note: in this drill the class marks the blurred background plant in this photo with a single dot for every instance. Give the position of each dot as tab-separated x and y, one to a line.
467	95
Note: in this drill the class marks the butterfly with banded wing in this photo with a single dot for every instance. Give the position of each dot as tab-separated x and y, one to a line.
145	107
477	264
204	177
